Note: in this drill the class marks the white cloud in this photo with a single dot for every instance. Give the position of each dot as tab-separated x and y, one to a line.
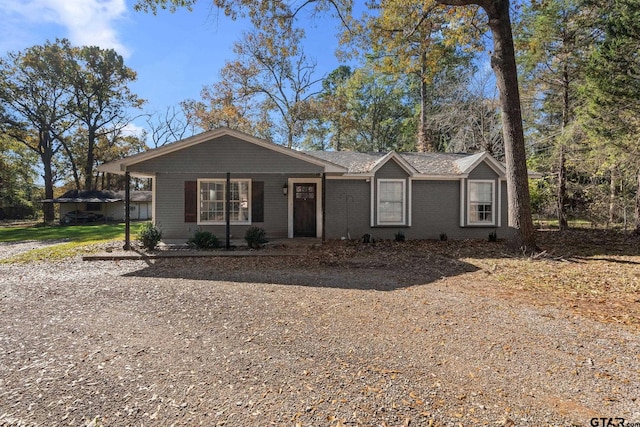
87	22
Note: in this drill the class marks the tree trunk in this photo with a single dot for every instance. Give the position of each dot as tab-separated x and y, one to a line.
88	166
637	214
562	190
425	141
612	196
562	169
47	208
503	62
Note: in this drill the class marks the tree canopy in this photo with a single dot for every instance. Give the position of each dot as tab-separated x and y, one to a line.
59	101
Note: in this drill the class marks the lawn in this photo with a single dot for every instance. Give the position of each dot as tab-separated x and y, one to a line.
76	238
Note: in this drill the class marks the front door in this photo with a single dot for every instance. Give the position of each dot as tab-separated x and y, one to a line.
304	210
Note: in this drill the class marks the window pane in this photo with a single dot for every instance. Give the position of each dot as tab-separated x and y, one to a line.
390	202
213	201
481	202
480	191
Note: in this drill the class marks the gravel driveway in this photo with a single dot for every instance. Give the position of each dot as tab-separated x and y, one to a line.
260	342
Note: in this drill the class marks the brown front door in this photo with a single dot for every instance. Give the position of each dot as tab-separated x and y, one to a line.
304	210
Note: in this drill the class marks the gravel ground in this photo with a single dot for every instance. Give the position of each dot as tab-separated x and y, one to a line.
298	342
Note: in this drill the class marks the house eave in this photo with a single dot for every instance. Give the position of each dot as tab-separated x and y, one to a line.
122	165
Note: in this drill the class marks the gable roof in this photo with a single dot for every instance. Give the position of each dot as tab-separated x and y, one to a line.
467	164
425	165
120	166
416	164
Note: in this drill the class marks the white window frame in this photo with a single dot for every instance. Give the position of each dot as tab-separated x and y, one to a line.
493	202
403	182
224	182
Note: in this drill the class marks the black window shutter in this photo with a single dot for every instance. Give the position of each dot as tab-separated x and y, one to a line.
257	201
191	201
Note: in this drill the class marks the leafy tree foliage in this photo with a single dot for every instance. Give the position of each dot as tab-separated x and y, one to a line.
59	101
270	81
17	175
100	98
34	90
554	40
612	95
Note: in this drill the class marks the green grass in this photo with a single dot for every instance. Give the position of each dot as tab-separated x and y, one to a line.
80	238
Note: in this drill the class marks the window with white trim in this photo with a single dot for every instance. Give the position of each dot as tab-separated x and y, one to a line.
391	202
481	202
212	206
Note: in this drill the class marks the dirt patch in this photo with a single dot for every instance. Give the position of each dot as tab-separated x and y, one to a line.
418	334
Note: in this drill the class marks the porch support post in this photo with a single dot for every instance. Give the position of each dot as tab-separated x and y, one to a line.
324	211
227	209
127	218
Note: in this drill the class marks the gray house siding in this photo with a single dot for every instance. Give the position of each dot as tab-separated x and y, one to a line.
483	171
170	207
225	154
435	207
347	207
435	210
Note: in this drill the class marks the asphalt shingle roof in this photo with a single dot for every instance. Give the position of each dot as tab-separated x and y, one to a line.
424	163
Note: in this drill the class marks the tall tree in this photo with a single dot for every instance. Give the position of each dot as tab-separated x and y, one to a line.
503	62
34	90
612	88
275	77
554	40
416	38
171	125
332	121
101	99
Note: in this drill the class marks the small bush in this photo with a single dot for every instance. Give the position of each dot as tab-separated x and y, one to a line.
255	237
400	237
444	237
204	240
493	236
149	235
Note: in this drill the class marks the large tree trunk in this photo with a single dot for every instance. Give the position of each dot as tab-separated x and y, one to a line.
503	62
425	141
562	169
88	166
47	158
563	224
637	214
612	196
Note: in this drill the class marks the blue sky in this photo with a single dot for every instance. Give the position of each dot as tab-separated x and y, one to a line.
175	55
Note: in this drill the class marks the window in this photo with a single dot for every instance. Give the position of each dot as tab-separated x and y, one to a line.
481	202
212	206
391	201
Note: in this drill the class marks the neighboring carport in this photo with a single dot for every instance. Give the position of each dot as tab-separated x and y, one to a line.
85	201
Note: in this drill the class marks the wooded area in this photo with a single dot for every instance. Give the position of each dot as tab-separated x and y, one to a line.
568	74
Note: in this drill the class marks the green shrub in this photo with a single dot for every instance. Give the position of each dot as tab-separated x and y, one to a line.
255	237
493	236
400	237
204	240
444	237
149	235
